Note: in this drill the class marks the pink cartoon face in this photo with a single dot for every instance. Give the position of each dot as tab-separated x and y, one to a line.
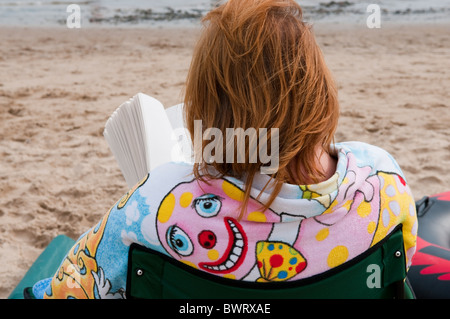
196	225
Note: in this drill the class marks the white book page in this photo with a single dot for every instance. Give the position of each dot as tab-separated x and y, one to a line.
125	138
181	134
143	135
161	146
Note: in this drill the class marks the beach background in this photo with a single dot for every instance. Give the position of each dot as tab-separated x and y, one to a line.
58	87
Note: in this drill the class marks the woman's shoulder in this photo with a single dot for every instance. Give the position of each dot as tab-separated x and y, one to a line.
370	155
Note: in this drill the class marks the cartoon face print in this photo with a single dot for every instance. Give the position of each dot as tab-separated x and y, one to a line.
196	223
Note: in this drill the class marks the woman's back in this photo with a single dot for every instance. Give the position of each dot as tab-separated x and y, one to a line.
257	68
307	230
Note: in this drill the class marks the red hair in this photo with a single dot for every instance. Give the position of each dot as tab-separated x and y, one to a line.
257	65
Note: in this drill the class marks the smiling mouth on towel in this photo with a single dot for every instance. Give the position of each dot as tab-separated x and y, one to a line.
235	252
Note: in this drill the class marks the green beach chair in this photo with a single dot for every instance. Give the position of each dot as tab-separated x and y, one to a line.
378	273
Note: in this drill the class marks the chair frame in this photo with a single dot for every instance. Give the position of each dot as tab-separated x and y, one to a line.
153	275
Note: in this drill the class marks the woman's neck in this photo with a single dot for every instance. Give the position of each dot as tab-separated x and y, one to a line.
326	162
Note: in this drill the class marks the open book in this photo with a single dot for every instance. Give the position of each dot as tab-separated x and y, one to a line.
143	135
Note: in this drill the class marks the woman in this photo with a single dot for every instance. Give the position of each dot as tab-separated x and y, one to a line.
256	68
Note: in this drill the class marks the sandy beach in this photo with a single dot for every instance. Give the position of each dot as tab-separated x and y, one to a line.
58	87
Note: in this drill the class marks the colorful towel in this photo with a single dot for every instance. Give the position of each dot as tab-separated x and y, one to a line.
307	231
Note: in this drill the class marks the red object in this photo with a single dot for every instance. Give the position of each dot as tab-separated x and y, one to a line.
443	196
276	261
435	264
207	239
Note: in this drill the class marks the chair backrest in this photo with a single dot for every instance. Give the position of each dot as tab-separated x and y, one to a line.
380	272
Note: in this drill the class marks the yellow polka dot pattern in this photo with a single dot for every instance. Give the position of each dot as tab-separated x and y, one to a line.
278	261
258	217
232	191
213	254
166	209
186	199
395	208
322	234
337	256
364	209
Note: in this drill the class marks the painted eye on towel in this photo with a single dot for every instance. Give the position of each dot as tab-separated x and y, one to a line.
179	241
207	205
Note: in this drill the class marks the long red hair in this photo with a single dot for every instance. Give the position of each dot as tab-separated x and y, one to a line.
257	65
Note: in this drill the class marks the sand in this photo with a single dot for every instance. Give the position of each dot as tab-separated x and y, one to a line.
59	86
